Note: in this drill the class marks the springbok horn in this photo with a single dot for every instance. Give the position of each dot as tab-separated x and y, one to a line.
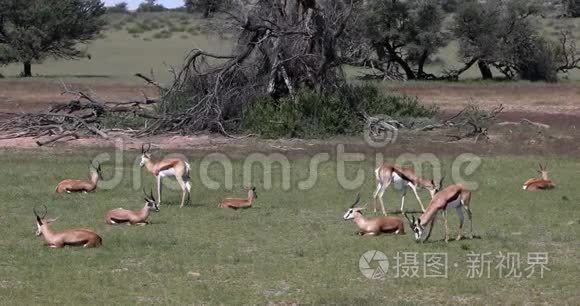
407	216
148	147
36	213
356	201
142	148
151	195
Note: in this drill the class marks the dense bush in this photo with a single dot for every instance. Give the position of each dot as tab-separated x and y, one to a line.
151	6
119	8
311	115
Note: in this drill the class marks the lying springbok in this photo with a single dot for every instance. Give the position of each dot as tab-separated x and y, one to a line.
236	203
74	237
69	186
402	178
453	196
132	217
167	167
373	226
539	183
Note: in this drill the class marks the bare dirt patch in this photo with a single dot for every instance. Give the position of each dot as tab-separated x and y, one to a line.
32	95
516	97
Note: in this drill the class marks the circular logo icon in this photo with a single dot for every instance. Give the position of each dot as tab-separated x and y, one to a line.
373	264
380	131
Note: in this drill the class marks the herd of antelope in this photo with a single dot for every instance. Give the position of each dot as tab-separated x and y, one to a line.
455	196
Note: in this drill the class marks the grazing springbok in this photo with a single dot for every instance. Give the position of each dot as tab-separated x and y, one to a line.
167	167
74	237
132	217
401	178
453	196
373	226
236	203
69	186
541	183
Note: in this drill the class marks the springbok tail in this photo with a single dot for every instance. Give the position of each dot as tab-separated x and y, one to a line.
188	186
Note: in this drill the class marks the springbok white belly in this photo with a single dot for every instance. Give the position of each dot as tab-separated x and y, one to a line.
168	172
398	182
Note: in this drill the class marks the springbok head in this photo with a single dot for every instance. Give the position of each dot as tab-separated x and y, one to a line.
416	227
145	154
150	201
543	171
353	209
432	187
97	170
252	192
40	220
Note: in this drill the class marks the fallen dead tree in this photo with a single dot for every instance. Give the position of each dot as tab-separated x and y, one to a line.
470	122
80	117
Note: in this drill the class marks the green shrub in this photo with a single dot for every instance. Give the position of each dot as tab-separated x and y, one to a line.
135	30
162	35
311	115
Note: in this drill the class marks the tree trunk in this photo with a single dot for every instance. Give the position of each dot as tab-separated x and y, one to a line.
27	69
485	70
421	65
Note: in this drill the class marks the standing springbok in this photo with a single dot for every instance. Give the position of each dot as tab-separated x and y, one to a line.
69	186
132	217
373	226
236	203
78	236
453	196
402	178
168	167
539	183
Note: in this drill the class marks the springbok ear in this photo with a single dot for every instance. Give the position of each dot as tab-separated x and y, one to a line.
419	221
441	182
38	220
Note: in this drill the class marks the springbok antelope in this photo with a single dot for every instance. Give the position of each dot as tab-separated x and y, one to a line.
539	183
236	203
402	178
132	217
167	167
453	196
373	226
69	186
78	236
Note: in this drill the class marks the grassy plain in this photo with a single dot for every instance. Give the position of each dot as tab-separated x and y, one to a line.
152	43
292	247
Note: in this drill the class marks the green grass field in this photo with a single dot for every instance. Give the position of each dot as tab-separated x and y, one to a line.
292	247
